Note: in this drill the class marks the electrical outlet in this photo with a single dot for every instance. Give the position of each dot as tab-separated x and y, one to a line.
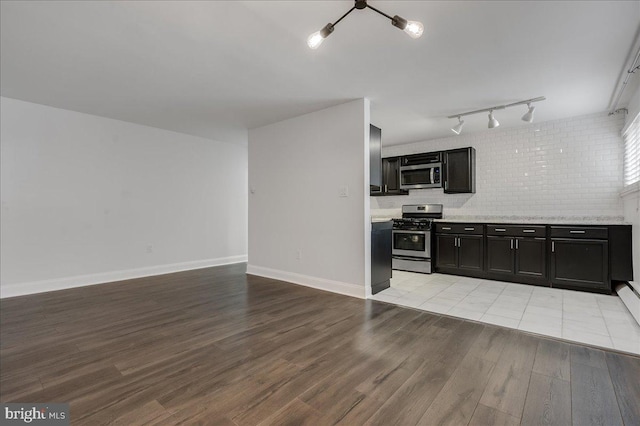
344	191
149	248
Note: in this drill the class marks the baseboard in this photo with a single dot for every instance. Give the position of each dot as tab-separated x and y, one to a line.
631	299
347	289
33	287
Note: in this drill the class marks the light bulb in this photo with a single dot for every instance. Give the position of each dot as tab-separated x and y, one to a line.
414	29
315	40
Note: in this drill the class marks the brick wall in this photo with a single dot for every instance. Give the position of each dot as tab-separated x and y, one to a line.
564	168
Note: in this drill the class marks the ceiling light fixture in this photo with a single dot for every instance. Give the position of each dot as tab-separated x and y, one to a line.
413	28
493	123
528	116
458	127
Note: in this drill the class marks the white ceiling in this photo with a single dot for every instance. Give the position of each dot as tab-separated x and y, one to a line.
216	69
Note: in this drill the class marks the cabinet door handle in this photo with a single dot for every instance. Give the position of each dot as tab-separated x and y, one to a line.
511	241
446	185
458	241
553	246
577	232
516	244
528	230
469	229
500	230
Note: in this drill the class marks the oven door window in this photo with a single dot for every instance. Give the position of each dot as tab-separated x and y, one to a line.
409	241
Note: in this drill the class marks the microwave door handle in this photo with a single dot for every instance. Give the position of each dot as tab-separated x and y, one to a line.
433	174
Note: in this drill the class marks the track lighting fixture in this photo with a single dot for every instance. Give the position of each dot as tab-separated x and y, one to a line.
458	127
528	116
413	28
493	123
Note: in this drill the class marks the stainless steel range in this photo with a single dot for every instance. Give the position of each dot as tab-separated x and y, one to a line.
412	237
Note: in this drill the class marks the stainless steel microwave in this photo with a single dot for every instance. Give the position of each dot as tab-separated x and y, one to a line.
421	171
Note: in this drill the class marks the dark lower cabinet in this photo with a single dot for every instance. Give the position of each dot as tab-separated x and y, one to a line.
447	251
577	257
580	264
517	259
531	257
380	256
461	254
470	252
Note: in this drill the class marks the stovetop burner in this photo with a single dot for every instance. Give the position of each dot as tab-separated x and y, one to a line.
412	224
418	217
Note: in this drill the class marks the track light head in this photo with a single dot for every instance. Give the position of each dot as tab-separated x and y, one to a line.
493	123
528	117
458	127
315	40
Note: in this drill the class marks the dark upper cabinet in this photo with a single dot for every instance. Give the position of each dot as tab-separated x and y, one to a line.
391	174
375	159
391	177
459	167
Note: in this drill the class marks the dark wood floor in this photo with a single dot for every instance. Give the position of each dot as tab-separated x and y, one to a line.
215	346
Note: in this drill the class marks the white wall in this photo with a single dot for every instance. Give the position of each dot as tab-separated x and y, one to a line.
631	202
85	198
562	168
296	170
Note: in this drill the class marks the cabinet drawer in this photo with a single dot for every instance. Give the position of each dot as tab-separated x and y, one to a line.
517	230
460	228
589	232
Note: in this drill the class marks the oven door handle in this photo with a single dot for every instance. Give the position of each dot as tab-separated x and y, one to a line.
405	231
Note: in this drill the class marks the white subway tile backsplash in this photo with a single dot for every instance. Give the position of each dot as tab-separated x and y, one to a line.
569	167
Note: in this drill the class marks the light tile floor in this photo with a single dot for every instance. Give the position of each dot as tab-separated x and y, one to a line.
594	319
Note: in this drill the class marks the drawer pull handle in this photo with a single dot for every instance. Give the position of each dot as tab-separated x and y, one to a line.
469	229
446	228
528	230
501	230
577	232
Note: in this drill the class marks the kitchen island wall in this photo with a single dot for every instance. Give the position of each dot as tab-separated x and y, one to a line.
569	168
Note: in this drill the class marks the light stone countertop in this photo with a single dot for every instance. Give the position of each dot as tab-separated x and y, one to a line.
375	219
539	220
